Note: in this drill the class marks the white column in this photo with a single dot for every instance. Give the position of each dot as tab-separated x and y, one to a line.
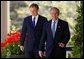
5	19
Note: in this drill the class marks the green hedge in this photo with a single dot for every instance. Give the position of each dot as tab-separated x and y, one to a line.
78	37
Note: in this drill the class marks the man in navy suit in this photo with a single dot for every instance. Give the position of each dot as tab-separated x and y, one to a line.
55	36
31	32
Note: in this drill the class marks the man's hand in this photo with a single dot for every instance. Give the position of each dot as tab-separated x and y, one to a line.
22	48
61	45
41	54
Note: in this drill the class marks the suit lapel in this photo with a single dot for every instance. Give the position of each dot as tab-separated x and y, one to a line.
58	27
30	21
38	21
50	30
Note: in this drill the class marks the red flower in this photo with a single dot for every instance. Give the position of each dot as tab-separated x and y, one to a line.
11	37
3	43
16	37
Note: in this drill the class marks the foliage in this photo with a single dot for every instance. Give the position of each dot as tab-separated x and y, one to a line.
78	37
10	46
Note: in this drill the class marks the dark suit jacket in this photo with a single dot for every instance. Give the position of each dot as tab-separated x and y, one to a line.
62	34
30	36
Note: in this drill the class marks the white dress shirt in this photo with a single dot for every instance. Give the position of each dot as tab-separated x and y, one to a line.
36	19
56	22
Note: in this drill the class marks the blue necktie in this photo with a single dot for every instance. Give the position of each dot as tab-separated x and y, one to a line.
33	22
53	29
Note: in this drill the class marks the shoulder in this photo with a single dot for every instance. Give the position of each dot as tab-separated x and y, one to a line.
47	23
50	21
42	17
63	22
27	17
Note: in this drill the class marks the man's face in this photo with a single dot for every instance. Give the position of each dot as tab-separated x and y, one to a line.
33	11
54	13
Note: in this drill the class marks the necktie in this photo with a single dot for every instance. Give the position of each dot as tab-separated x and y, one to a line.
33	22
53	29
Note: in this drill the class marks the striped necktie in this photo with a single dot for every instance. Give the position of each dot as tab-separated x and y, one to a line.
53	29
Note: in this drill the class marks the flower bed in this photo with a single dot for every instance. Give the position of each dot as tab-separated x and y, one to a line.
10	46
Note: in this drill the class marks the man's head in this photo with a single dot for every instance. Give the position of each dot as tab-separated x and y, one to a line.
34	9
54	12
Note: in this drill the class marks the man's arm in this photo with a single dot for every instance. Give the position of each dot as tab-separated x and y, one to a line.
23	33
42	43
66	34
43	39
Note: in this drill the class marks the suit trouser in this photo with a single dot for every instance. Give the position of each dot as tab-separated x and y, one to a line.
32	55
56	54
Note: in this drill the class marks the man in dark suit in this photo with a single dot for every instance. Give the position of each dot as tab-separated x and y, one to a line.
31	32
55	36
